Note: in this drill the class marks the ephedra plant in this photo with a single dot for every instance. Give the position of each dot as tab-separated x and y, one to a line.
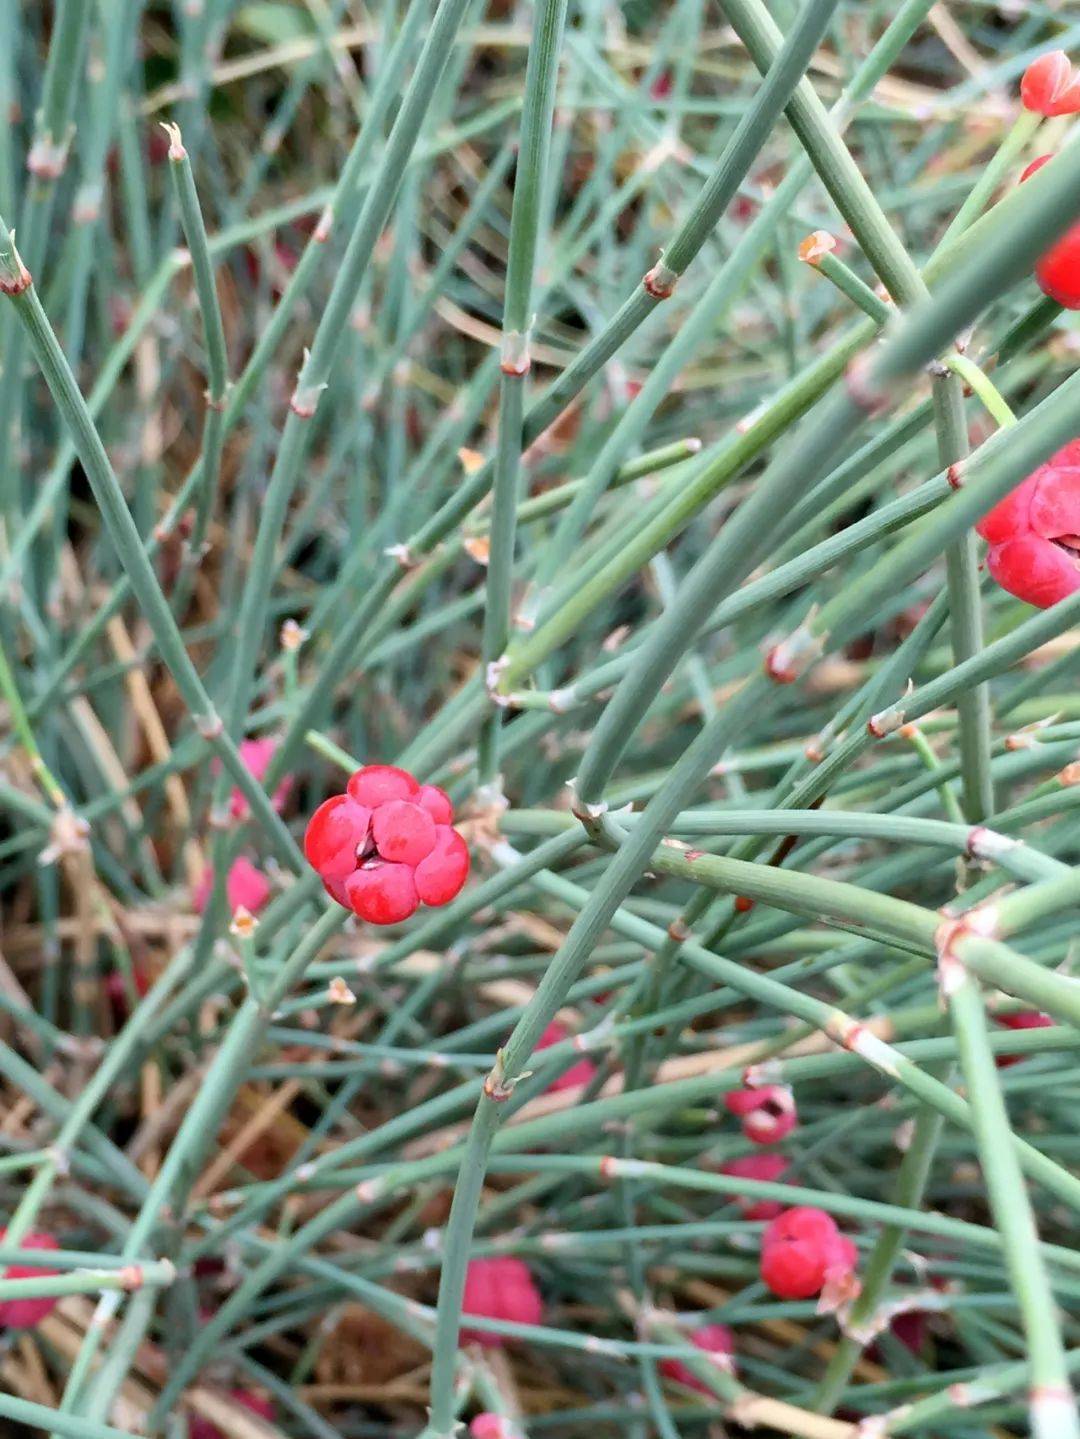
541	571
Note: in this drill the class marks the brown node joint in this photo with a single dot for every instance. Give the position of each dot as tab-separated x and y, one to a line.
516	367
861	389
15	284
776	669
660	282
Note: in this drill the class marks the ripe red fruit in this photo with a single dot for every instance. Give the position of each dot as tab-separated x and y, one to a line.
1034	532
802	1252
376	783
1050	87
387	845
492	1426
713	1339
499	1288
259	1404
1058	271
246	886
441	875
1022	1019
382	893
768	1114
578	1074
25	1313
767	1167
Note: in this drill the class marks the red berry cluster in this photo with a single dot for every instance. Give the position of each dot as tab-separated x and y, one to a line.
1034	533
803	1253
386	846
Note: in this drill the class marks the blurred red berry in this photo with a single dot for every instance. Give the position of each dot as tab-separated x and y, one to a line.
768	1114
259	1404
25	1313
661	87
118	992
1022	1019
802	1251
1050	86
1034	532
580	1073
767	1167
713	1339
499	1288
1058	271
256	754
246	887
491	1426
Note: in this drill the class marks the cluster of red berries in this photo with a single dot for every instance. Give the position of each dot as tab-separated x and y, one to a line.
25	1313
386	846
1034	533
803	1253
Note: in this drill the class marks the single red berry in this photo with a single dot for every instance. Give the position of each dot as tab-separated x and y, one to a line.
1034	532
441	875
376	783
25	1313
404	833
259	1404
1022	1019
437	803
1026	1019
911	1328
578	1074
256	754
489	1425
246	886
802	1250
118	991
713	1339
768	1114
767	1167
1058	271
382	893
336	836
1050	87
499	1288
